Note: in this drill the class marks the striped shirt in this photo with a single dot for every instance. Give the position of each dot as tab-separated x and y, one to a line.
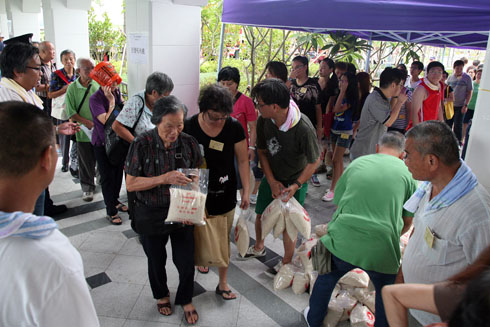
463	232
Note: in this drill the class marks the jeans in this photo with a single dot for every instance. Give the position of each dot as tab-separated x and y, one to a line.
110	179
466	140
325	284
182	256
457	120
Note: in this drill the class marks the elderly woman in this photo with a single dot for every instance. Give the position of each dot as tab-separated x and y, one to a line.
151	168
102	104
222	138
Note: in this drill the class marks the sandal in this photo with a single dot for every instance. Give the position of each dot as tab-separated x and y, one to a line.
188	315
167	305
222	292
115	220
202	269
122	207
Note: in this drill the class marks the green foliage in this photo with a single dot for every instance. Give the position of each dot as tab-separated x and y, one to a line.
104	37
343	46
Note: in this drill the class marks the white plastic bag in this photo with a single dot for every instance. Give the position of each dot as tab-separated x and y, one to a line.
356	277
345	300
188	202
298	216
242	238
361	317
291	229
304	253
335	311
300	283
321	230
270	216
365	296
312	276
284	277
279	227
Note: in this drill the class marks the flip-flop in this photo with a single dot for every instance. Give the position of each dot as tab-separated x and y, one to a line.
221	292
122	207
112	218
202	269
189	314
164	305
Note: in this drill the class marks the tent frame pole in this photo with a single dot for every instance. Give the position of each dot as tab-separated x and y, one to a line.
221	44
368	55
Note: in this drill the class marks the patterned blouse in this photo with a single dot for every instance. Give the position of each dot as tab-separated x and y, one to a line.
148	157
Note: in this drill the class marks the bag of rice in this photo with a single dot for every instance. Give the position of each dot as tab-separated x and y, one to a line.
300	283
284	277
321	230
335	311
356	277
304	253
345	300
188	202
279	227
291	229
361	317
270	216
298	216
241	235
365	296
312	276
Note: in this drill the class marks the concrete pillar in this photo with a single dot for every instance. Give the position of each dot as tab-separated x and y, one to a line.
478	152
164	35
66	25
24	15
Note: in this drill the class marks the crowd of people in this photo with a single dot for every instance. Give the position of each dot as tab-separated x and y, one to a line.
292	128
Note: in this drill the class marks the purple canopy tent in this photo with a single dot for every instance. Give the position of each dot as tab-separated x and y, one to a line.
453	23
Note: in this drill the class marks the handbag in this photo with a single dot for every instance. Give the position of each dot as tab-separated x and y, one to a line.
321	258
147	220
58	104
448	107
117	148
211	247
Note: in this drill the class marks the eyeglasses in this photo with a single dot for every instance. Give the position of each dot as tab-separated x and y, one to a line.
297	67
34	68
213	118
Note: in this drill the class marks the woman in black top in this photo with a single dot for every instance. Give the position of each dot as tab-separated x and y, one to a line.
222	138
151	167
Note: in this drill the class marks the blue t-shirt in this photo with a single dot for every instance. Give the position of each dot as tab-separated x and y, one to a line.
342	121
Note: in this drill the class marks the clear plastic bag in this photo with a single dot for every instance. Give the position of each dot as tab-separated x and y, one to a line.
298	217
242	238
188	202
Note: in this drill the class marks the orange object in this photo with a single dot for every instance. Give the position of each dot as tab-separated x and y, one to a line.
105	74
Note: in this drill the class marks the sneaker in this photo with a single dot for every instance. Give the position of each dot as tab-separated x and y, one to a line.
252	253
74	173
272	272
328	196
88	196
253	198
314	180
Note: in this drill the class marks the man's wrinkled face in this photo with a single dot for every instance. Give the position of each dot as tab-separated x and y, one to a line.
48	53
415	162
32	75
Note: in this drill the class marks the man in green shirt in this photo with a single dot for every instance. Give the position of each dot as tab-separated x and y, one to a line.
288	153
366	227
77	108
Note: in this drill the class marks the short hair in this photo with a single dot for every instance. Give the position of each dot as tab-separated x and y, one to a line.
81	60
393	140
420	65
402	67
25	133
404	74
14	58
67	52
272	91
341	66
388	76
458	63
476	62
351	68
43	45
278	69
445	73
217	98
435	137
229	74
159	82
304	61
434	64
167	106
464	60
470	68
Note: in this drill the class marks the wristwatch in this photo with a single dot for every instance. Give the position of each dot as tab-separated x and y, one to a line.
297	183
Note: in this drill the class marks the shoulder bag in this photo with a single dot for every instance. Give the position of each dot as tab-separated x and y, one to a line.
58	104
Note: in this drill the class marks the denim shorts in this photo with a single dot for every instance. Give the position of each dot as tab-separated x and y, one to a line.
342	140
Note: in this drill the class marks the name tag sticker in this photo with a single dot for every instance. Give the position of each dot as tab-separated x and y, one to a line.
218	146
401	117
429	237
302	90
344	136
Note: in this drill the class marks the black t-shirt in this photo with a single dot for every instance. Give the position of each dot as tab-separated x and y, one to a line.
330	90
307	97
219	153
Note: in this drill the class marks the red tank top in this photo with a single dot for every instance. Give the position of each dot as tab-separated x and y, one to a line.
430	106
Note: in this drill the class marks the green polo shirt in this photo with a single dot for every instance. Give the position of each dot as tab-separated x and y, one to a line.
73	98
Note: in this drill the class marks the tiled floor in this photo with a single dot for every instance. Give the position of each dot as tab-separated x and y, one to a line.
116	270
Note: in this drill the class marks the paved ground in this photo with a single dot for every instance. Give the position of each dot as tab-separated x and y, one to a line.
116	270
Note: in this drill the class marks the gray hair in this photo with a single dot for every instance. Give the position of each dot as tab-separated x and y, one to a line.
167	106
435	137
159	82
393	140
80	61
67	52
